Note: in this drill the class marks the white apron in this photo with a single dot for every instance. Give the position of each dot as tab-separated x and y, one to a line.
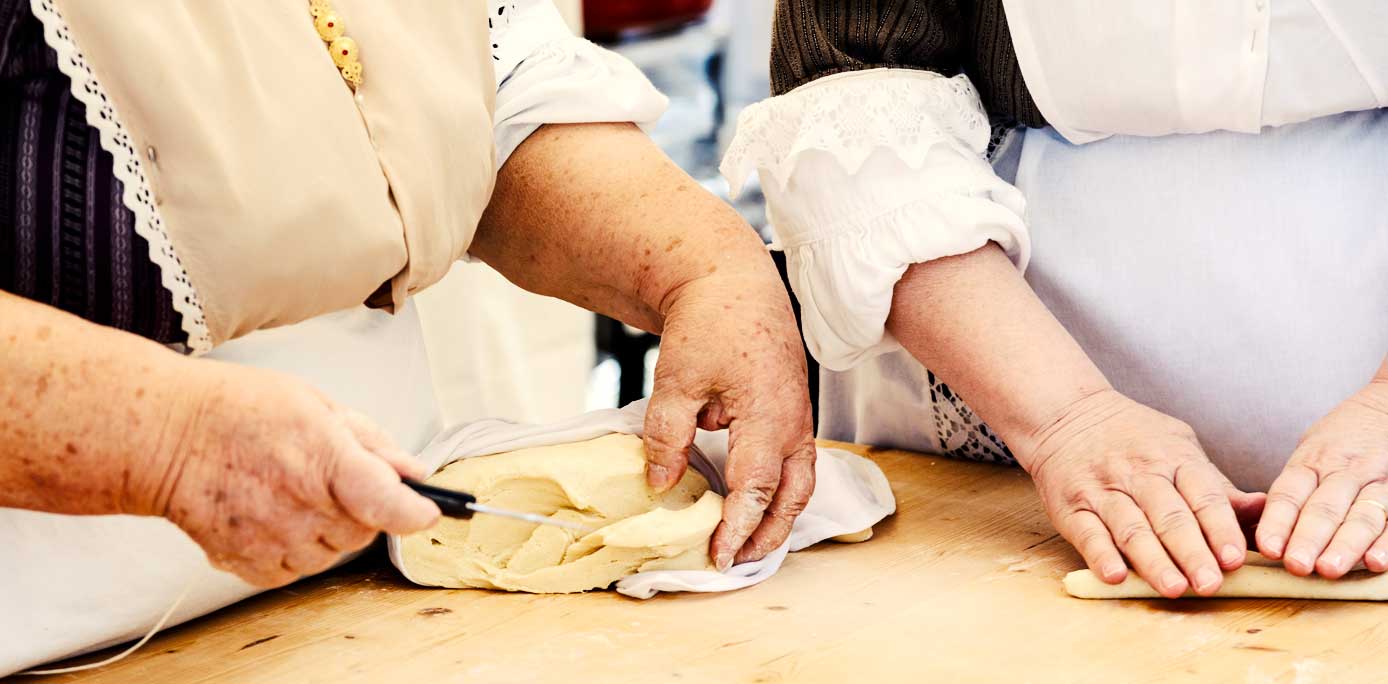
75	583
1238	282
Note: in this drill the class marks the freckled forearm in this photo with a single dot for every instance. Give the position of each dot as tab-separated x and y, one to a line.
84	410
595	214
974	321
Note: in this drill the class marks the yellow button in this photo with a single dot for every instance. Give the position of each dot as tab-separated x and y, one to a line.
329	27
344	51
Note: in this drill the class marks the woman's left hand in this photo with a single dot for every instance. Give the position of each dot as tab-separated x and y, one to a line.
1328	510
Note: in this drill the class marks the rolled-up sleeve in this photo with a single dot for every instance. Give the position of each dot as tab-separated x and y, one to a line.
871	163
547	75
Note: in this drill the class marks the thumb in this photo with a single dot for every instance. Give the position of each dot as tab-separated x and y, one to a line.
370	492
669	431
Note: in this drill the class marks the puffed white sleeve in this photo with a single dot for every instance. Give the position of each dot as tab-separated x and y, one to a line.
547	75
866	173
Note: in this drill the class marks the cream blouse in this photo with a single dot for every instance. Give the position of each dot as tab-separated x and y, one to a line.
270	192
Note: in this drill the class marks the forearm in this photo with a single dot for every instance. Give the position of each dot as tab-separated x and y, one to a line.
974	321
595	214
84	411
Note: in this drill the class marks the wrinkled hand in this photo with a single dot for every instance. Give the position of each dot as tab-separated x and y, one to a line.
730	357
1327	510
275	481
1115	475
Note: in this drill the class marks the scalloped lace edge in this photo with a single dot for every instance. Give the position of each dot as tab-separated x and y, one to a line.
773	134
137	195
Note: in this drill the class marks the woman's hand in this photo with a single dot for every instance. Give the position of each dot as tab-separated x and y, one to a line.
1327	510
730	357
275	481
597	215
1116	476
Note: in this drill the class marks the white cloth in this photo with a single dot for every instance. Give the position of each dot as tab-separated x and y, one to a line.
1156	67
1239	283
865	174
56	568
851	493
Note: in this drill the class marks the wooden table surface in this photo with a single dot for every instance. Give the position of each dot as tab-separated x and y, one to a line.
963	584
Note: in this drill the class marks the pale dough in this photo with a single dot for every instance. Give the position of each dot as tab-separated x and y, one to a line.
1260	577
600	484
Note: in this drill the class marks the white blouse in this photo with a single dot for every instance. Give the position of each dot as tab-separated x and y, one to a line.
868	172
547	75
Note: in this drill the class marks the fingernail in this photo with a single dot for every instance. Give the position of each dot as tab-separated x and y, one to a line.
1171	581
1379	558
1113	571
1231	554
1300	557
1334	561
1273	544
1206	579
723	562
657	475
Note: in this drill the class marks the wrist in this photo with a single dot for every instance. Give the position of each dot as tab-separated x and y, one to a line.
186	388
730	264
1032	441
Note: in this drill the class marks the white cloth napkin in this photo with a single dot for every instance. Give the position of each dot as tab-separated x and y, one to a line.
851	493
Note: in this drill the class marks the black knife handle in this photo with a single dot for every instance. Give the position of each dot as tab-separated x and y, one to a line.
452	503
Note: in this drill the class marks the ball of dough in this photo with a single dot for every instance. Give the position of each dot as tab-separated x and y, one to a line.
600	484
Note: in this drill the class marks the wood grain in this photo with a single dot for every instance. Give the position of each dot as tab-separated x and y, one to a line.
962	585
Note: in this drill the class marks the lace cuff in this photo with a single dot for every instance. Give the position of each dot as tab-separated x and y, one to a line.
129	169
849	115
865	175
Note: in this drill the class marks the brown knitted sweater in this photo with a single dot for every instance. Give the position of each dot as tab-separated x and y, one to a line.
816	38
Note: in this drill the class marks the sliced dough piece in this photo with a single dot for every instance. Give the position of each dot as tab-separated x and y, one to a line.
600	484
1260	577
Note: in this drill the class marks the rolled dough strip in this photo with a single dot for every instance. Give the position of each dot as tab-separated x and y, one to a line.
1259	578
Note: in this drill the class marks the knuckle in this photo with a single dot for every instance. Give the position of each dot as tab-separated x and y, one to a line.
758	494
1132	533
1281	497
1323	509
1208	501
1371	522
1172	521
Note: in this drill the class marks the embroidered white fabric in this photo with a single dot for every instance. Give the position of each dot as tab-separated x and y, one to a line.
851	115
865	174
851	493
129	169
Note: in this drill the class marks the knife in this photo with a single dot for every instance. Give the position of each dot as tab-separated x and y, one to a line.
462	505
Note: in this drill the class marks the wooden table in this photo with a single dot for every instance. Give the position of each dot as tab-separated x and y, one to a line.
963	584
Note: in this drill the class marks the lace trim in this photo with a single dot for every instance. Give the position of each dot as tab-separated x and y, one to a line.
850	118
138	197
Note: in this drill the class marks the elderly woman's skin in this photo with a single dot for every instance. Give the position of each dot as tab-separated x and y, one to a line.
1328	509
609	223
1114	475
270	478
275	481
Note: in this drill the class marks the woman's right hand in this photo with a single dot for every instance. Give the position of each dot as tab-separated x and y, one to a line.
274	480
1116	476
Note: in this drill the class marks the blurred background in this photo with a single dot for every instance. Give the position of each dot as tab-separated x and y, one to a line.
502	352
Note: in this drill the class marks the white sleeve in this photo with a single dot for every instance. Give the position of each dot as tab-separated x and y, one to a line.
547	75
866	173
